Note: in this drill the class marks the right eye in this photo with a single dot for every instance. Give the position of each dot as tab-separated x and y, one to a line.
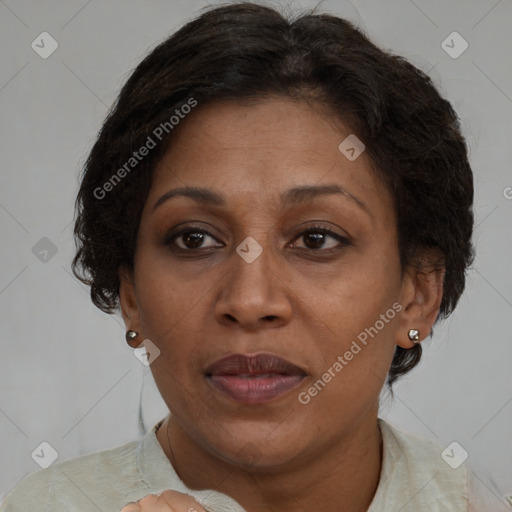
191	239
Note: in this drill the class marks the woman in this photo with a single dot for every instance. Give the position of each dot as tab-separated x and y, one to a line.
281	211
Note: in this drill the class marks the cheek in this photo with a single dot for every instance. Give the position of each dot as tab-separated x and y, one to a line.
352	361
167	308
165	297
360	307
164	312
361	291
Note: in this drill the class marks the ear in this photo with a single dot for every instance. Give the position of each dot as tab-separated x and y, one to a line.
422	292
129	305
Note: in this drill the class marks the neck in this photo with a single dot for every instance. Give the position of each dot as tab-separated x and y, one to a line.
344	476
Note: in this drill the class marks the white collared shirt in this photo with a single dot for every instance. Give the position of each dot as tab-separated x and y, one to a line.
414	478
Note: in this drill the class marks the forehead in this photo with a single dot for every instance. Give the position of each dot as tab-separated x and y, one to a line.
262	149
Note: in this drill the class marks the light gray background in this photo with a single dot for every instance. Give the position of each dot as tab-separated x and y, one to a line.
66	374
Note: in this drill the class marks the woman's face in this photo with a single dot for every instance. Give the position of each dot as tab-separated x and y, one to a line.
243	267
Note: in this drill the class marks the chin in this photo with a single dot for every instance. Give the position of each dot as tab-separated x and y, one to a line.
254	447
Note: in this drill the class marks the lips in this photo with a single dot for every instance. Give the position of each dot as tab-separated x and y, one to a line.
254	379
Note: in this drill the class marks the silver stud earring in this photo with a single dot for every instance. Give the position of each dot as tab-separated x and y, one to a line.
414	335
131	335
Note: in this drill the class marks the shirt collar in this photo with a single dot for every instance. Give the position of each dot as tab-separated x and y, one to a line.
159	474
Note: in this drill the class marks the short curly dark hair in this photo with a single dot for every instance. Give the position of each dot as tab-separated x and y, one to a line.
246	52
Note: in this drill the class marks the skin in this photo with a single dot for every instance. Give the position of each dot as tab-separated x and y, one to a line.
301	300
166	501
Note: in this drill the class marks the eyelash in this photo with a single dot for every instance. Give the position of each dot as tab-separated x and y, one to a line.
344	241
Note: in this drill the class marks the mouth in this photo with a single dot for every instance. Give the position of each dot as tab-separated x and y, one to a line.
254	379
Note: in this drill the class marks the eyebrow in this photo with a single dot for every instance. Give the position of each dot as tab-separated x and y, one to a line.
292	197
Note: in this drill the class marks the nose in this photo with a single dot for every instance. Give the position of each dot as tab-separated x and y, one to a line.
254	295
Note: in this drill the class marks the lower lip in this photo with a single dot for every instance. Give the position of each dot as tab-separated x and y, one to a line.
255	390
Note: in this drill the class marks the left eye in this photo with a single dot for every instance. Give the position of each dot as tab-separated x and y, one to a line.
318	238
